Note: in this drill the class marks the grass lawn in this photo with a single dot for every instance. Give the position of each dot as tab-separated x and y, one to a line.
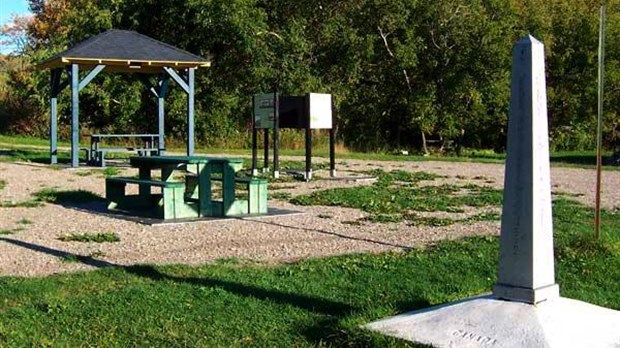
318	302
31	149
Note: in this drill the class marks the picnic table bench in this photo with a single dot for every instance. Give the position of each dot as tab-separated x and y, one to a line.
95	155
189	194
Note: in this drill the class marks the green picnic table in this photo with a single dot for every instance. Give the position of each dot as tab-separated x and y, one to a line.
186	185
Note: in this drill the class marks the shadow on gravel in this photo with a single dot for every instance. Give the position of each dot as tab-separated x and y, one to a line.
331	233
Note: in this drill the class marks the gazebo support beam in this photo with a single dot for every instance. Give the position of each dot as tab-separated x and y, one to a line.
190	111
91	75
74	75
178	79
159	91
187	84
161	96
56	87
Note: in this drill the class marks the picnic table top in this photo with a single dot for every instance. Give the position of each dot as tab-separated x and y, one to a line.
176	160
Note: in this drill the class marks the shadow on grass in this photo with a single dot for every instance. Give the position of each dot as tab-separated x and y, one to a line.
32	156
312	304
330	330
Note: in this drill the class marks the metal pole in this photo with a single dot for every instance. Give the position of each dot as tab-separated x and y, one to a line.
55	81
599	135
161	113
75	110
190	112
276	135
254	138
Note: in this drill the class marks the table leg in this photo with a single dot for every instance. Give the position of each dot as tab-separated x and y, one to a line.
144	190
204	189
166	173
228	187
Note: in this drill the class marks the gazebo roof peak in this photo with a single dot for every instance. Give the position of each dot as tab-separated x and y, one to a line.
126	50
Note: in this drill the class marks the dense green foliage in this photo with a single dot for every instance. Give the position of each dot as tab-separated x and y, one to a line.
401	70
319	302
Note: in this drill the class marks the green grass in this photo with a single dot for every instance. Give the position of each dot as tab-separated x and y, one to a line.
319	302
395	196
2	184
31	155
107	237
21	204
52	195
7	231
24	221
34	150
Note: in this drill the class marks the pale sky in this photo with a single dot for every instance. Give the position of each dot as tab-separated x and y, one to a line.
7	9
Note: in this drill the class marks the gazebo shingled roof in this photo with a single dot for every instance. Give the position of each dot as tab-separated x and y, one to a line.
124	50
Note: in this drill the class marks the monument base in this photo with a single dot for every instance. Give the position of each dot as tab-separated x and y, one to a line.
485	321
531	296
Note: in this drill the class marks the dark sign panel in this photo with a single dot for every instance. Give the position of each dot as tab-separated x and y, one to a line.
293	113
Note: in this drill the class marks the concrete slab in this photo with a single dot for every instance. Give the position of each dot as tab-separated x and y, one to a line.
485	321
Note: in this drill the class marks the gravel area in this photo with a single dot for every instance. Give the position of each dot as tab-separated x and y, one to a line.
35	250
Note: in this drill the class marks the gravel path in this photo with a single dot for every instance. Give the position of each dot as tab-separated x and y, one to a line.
35	249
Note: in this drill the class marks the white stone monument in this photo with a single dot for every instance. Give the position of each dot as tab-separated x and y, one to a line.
525	309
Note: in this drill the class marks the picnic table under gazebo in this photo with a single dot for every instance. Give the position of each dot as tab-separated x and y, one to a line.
126	52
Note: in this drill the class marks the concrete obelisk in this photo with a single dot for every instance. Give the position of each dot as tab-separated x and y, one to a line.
526	271
525	309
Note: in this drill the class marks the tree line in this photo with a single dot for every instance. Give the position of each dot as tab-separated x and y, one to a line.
406	74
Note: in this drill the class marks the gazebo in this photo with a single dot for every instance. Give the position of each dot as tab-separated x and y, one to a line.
120	51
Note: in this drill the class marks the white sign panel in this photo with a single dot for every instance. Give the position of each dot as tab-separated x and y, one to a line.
320	111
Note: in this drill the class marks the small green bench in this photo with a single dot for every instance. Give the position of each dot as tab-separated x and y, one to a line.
257	195
169	205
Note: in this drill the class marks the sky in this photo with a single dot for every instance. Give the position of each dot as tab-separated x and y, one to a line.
7	8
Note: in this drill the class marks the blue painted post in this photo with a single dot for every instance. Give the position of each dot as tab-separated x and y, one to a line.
161	95
75	108
55	82
190	111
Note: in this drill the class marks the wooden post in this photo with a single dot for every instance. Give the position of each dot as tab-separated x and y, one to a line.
308	153
276	135
332	144
254	139
54	91
161	96
266	151
190	111
75	110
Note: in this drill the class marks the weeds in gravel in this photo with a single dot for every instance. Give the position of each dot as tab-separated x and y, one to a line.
107	237
2	184
8	231
107	172
52	195
280	195
21	204
351	222
24	221
395	195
